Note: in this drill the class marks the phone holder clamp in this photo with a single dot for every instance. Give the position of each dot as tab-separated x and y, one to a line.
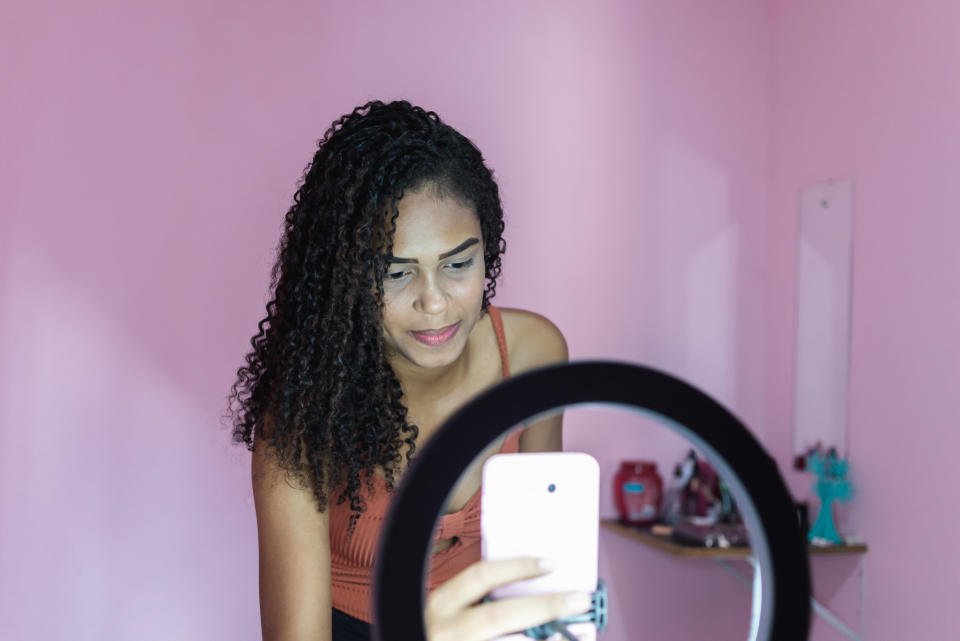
597	614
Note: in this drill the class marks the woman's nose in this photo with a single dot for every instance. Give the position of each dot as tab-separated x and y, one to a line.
432	299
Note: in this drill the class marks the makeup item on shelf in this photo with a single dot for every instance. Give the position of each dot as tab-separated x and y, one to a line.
702	492
638	492
674	503
718	535
728	507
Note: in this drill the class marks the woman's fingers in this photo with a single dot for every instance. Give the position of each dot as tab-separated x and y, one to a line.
472	584
505	616
453	615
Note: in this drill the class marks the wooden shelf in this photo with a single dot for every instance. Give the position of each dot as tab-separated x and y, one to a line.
739	552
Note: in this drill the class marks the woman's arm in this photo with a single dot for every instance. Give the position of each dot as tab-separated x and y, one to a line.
294	544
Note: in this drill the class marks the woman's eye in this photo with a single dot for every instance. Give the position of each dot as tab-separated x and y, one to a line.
463	264
395	275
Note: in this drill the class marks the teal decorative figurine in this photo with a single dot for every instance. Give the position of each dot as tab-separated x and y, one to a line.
831	485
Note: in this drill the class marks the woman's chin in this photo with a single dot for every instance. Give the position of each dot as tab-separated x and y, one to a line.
435	356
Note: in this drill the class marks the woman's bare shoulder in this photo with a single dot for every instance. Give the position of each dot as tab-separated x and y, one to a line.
533	340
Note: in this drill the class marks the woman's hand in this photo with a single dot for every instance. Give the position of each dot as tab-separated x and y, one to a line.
454	614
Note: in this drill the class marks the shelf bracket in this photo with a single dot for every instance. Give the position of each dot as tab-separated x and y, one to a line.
818	607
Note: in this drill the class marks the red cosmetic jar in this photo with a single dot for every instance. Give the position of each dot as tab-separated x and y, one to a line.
638	492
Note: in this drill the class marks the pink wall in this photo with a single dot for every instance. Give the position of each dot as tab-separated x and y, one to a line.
150	154
868	89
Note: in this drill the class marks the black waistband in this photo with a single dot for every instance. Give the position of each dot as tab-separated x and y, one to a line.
348	628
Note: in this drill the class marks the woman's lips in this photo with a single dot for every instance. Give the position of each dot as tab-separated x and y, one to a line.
435	337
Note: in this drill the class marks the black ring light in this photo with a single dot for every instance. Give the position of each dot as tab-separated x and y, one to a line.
783	573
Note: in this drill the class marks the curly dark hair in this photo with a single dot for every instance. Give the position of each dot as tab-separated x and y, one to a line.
317	386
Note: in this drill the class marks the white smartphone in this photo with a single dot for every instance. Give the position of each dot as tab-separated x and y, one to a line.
544	505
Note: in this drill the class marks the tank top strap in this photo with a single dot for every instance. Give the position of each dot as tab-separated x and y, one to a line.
497	321
512	443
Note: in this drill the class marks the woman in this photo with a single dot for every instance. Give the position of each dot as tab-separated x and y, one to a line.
380	327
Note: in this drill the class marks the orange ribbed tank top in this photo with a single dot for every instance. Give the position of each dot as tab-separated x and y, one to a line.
351	562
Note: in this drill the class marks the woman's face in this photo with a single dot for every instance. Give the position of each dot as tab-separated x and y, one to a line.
433	287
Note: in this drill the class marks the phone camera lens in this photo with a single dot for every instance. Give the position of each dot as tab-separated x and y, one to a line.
551	488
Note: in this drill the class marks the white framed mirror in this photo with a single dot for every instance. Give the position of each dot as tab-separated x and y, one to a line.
824	297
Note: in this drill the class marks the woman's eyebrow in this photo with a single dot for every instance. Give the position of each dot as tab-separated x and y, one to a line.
470	242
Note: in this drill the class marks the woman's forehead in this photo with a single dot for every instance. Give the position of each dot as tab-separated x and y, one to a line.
428	226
